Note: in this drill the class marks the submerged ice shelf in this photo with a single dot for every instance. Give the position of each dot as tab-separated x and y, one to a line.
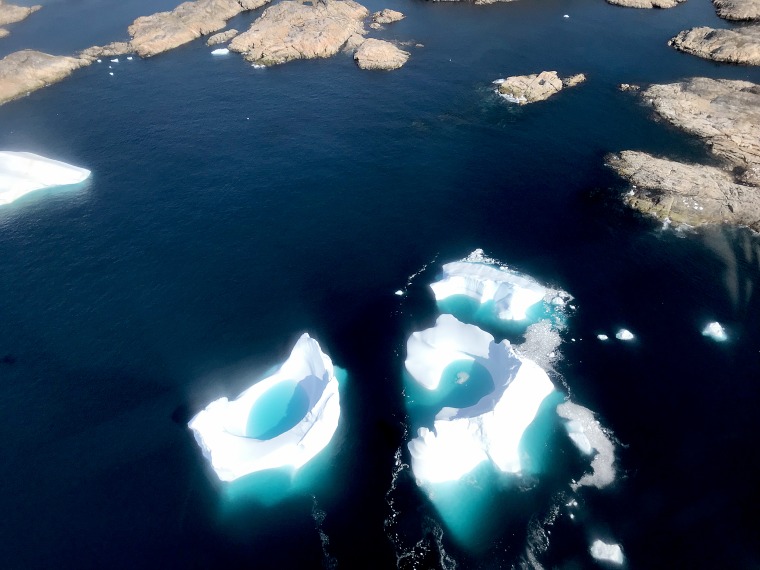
283	420
24	172
489	429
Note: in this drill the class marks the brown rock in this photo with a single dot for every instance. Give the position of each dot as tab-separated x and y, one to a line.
686	193
10	13
387	16
222	37
378	54
738	9
740	45
292	30
3	32
111	50
524	89
163	31
24	71
646	3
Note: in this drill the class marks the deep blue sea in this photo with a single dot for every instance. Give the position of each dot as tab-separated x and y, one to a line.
231	209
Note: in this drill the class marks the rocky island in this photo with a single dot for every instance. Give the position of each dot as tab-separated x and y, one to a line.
726	115
740	45
10	14
292	30
379	54
646	3
524	89
740	10
24	71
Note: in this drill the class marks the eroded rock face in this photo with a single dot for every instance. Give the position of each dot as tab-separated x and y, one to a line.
739	45
725	113
387	16
379	54
738	9
686	193
646	3
292	30
222	37
3	32
524	89
163	31
24	71
10	13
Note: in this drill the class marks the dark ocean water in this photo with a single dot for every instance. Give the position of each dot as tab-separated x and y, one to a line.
232	209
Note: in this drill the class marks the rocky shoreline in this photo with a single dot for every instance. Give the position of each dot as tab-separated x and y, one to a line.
740	45
525	89
11	14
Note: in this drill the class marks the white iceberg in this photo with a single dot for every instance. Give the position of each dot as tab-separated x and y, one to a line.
220	51
715	331
602	337
490	429
230	434
609	552
512	294
24	172
624	334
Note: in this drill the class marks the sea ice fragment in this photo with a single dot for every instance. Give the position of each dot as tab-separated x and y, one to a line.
624	334
609	552
220	51
602	337
24	172
715	331
588	436
223	429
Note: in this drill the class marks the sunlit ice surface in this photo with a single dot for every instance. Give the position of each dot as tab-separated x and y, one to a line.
24	172
281	422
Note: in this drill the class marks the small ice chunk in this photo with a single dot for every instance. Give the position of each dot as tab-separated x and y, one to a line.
566	16
100	61
115	60
609	552
24	172
399	292
129	58
258	66
220	51
602	337
222	428
624	334
110	73
715	331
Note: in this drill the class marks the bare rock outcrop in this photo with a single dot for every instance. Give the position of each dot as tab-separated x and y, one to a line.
164	31
292	30
739	45
3	32
646	4
113	49
10	13
724	113
25	71
690	194
379	54
739	10
386	16
222	37
524	89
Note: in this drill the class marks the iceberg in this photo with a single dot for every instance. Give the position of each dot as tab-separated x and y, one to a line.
511	293
624	334
24	172
610	552
220	51
715	331
489	429
283	420
588	435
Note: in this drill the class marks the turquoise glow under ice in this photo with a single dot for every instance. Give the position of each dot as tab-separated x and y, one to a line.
277	411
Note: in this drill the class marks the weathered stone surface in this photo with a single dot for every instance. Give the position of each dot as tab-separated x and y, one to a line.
3	32
524	89
725	113
111	50
10	13
378	54
387	16
222	37
738	9
740	45
686	193
24	71
646	3
163	31
292	30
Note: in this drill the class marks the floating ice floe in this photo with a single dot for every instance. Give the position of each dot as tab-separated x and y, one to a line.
602	337
566	16
511	293
624	334
610	552
116	60
282	421
258	66
588	436
490	429
129	58
399	292
110	73
24	172
220	51
715	331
